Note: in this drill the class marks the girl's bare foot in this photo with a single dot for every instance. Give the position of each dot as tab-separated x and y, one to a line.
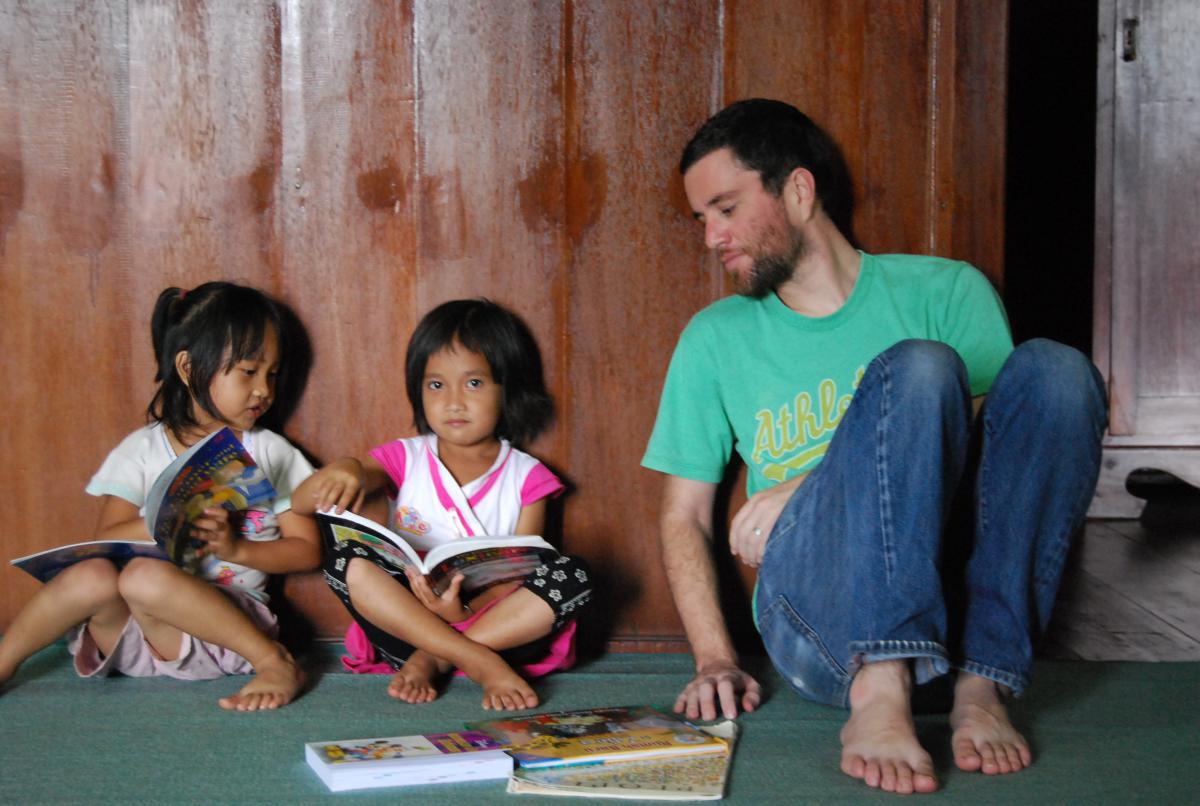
277	681
413	683
503	689
879	741
984	739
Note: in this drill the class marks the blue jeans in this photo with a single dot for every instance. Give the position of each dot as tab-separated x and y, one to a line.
865	562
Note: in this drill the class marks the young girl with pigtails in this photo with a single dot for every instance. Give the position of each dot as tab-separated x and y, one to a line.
474	379
221	356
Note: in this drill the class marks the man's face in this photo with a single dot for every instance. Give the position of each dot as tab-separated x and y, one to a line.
744	224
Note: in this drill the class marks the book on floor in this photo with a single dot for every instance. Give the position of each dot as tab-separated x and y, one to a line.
429	758
599	735
483	561
216	471
679	778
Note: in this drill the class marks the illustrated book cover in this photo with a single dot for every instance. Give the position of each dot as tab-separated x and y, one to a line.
598	736
676	778
483	562
45	565
408	760
216	471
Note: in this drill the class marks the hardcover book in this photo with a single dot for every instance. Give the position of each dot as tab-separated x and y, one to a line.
408	760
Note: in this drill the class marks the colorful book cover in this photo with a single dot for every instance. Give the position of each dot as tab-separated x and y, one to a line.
216	471
672	778
406	760
598	735
45	565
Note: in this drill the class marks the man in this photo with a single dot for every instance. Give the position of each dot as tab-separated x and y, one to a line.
853	386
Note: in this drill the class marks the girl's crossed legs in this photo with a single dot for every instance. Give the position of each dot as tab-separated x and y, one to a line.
516	627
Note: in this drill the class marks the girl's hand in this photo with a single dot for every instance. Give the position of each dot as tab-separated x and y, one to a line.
215	530
341	486
448	607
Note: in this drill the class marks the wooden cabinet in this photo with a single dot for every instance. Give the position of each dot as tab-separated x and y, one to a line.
1147	325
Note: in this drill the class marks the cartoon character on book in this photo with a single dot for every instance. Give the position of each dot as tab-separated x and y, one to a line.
474	378
221	353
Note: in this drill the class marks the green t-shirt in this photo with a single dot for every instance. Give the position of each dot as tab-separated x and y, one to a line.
757	376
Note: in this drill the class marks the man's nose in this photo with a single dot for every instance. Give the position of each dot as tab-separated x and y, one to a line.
714	233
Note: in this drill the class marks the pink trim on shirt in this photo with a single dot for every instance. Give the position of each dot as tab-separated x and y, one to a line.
444	497
539	484
489	482
393	459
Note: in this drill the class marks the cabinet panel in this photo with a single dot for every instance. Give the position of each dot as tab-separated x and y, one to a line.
1148	293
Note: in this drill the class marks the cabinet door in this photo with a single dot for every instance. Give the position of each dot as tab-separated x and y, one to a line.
1154	293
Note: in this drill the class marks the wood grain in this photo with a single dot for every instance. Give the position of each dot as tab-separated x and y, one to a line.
367	161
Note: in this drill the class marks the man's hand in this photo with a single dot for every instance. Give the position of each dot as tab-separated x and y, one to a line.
718	684
753	523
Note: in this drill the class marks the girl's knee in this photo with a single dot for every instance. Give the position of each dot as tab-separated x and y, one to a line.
146	581
565	584
359	569
91	580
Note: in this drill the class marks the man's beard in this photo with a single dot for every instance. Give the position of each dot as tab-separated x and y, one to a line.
770	271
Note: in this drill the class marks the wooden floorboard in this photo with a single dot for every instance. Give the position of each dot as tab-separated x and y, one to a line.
1131	591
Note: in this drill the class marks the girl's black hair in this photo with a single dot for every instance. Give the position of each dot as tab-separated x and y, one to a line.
218	324
484	327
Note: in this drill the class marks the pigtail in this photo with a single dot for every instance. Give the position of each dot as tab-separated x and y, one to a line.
165	311
171	403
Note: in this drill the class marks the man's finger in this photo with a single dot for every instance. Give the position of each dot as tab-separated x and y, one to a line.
728	698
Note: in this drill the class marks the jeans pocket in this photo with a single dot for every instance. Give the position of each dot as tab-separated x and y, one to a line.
801	656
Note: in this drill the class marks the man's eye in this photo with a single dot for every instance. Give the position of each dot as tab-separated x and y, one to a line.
726	211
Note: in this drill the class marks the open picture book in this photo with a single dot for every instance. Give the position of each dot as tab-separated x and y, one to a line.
216	471
483	561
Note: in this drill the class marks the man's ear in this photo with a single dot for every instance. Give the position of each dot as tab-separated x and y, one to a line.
800	192
183	366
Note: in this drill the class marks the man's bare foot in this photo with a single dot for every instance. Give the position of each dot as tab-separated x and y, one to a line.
503	689
984	739
413	683
879	741
277	681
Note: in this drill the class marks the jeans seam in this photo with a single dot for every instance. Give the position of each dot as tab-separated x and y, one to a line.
881	464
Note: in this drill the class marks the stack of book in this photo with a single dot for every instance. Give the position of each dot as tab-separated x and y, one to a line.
635	752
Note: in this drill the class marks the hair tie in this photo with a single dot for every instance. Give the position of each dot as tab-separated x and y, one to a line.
182	294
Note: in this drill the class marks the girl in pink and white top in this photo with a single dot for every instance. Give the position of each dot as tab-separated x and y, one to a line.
474	378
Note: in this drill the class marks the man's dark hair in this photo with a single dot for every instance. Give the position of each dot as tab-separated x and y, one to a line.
484	327
774	139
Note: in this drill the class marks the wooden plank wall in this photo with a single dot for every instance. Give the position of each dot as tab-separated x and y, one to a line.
367	160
